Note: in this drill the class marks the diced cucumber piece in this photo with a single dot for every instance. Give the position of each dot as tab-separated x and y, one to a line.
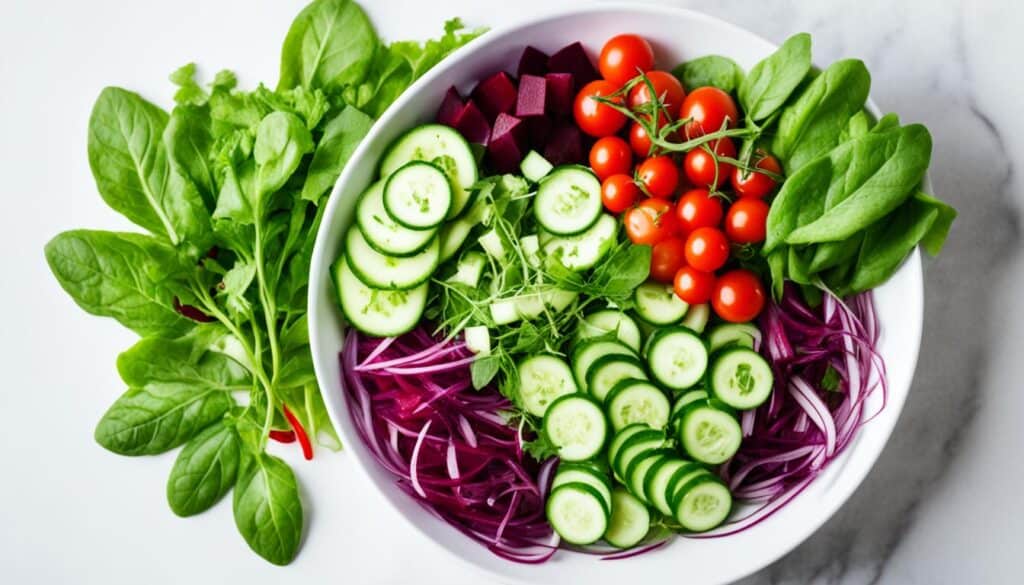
658	478
478	339
504	312
738	334
741	378
454	233
677	357
389	272
469	269
576	511
383	233
535	167
418	195
636	471
658	304
630	520
576	426
531	249
532	304
702	504
709	434
491	242
569	472
637	401
444	147
609	370
585	250
381	313
568	200
635	446
696	318
589	351
542	380
610	321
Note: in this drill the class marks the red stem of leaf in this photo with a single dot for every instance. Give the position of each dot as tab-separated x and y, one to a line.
282	436
300	433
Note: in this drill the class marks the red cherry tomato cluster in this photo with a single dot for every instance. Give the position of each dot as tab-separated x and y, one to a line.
695	208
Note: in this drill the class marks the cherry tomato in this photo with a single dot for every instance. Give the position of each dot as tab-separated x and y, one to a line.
638	138
609	156
619	193
700	166
738	296
650	222
623	57
697	208
755	184
746	221
667	89
659	176
707	249
667	257
593	117
708	108
693	286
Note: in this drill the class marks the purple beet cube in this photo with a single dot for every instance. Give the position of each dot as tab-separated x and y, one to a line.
538	129
495	95
532	96
533	61
564	145
472	124
574	59
560	93
505	150
451	107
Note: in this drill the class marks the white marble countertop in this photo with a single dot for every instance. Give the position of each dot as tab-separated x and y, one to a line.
941	506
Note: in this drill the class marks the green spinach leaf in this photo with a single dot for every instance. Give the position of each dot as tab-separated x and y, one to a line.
267	508
714	70
770	83
188	139
281	142
165	366
205	469
340	138
142	422
329	45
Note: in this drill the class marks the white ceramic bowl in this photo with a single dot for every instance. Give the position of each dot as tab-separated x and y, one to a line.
676	35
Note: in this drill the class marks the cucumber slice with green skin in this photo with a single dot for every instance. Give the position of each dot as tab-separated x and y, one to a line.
542	380
738	334
636	471
583	251
677	357
658	304
680	478
576	426
578	473
568	200
381	313
702	504
637	401
609	370
576	511
658	478
679	406
384	234
609	321
741	378
630	520
445	148
589	351
634	447
389	272
708	434
418	196
696	318
619	439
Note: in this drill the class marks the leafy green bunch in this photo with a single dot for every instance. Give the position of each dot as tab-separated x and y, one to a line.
230	187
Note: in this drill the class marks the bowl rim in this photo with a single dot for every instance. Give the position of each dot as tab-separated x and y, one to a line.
319	265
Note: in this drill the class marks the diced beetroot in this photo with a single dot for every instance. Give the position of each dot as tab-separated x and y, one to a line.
532	62
560	93
505	149
573	59
538	129
472	124
495	95
531	98
564	145
451	107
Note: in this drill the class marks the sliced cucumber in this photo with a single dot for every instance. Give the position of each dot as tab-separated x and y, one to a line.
418	195
696	318
576	426
702	504
383	233
658	304
445	148
683	401
610	321
709	434
630	520
542	380
576	511
568	200
635	446
609	370
535	167
583	251
620	438
636	471
589	351
741	378
657	480
584	473
637	401
680	478
389	272
381	313
677	357
738	334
